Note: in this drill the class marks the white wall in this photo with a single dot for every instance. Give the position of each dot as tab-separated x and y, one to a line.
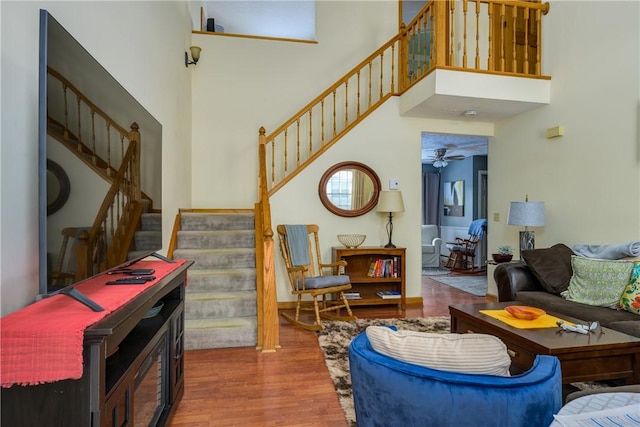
141	44
241	84
589	178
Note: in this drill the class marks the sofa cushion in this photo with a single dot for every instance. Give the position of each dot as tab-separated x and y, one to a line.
551	266
467	353
630	298
598	282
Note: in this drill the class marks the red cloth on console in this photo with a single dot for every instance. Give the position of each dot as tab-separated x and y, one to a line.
43	341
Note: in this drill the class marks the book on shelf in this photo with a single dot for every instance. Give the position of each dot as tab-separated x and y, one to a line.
383	267
352	295
388	294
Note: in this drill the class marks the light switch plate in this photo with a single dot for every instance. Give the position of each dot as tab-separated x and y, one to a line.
394	184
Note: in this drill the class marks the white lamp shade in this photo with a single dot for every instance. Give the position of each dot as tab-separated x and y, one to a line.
390	201
529	214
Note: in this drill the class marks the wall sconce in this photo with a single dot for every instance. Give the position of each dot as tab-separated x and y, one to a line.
529	214
390	201
195	54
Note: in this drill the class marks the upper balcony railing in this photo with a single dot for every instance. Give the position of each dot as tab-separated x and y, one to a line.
489	36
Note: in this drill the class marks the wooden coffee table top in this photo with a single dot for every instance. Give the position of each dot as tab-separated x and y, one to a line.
552	341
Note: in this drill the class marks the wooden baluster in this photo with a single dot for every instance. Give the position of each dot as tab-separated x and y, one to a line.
538	42
465	5
490	59
358	96
514	23
502	47
108	170
298	142
322	123
66	113
526	41
310	133
381	73
370	85
273	158
452	37
79	136
346	104
432	34
93	130
334	113
393	49
477	62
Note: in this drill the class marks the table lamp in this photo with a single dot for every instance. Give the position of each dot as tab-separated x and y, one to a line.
390	201
529	214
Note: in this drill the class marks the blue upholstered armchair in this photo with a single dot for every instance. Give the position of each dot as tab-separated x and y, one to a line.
388	392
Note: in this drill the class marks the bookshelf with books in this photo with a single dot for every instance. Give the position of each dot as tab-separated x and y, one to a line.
376	273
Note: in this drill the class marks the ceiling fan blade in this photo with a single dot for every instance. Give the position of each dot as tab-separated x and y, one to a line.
457	157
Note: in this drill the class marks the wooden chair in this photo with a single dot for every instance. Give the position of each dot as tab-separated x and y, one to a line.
300	248
462	252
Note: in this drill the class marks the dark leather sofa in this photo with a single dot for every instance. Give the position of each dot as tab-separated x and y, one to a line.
516	282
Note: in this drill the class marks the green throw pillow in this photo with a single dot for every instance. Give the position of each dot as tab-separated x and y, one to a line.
598	282
630	298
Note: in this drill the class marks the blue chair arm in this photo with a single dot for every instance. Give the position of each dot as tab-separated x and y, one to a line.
388	392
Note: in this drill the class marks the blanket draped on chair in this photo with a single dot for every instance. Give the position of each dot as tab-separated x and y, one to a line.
297	240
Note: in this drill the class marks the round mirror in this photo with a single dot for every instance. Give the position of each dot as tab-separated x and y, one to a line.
349	189
58	187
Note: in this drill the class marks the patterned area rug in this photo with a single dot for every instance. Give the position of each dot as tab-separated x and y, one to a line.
334	342
475	285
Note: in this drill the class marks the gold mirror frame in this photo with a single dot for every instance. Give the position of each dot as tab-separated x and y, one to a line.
356	167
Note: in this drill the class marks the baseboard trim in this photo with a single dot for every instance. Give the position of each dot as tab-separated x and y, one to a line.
286	305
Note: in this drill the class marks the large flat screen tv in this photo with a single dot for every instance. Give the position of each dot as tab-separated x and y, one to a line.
75	94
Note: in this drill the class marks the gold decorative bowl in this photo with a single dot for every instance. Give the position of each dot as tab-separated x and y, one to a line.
351	240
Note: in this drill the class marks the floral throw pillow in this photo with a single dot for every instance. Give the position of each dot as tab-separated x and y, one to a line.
598	282
630	298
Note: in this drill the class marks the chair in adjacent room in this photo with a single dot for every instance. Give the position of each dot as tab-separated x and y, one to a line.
430	246
462	252
308	275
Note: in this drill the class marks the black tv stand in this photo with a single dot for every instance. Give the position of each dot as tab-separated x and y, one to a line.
133	368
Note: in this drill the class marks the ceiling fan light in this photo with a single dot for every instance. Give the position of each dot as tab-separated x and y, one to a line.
444	163
437	163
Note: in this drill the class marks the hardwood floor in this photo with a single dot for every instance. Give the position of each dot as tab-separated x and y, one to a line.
291	387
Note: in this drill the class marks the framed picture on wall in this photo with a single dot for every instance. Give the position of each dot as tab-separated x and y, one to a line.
454	198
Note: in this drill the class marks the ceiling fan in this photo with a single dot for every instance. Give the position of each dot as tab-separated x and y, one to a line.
441	159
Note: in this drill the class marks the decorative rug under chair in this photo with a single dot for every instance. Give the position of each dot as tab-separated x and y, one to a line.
334	342
475	285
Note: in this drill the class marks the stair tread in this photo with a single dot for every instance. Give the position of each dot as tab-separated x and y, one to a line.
222	272
220	321
218	295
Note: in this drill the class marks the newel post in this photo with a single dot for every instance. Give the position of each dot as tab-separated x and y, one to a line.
268	325
134	138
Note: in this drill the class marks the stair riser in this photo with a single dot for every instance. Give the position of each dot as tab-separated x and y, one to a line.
220	308
210	222
216	239
148	240
151	222
220	338
208	260
222	282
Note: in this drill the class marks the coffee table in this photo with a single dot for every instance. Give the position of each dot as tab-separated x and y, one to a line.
600	355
